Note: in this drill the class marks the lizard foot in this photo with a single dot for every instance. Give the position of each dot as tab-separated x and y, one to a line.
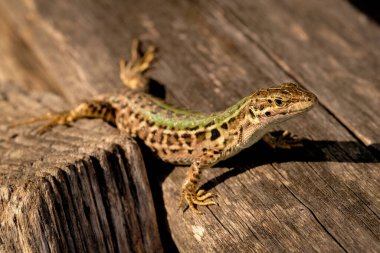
63	118
132	71
200	198
282	139
53	120
92	109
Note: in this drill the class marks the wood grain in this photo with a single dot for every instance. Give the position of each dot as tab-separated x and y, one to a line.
71	190
323	197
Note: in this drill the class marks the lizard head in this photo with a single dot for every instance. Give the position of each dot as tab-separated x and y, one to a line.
280	103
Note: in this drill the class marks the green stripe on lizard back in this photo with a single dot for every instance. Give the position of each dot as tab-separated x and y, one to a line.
163	114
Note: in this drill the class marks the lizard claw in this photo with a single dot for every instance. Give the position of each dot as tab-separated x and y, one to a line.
53	120
200	198
282	139
131	72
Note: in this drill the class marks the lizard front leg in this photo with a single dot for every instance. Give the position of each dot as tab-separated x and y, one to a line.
282	139
189	193
132	71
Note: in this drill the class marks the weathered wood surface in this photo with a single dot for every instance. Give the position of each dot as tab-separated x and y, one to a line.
71	190
323	197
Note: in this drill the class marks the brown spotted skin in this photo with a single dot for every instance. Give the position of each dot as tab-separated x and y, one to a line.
180	136
141	116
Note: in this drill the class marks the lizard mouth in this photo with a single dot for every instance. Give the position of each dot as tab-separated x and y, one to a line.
307	101
303	105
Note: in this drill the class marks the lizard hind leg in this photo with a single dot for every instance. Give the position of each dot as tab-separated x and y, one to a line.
132	71
93	109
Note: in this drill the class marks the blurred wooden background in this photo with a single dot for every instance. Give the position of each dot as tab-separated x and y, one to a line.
86	188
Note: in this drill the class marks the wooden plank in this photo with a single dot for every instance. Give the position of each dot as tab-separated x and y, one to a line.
326	56
334	56
19	63
81	189
324	197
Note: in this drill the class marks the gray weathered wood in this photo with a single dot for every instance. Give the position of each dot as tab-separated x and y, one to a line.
324	197
335	57
81	189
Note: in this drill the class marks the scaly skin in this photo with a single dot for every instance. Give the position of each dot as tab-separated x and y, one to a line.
183	137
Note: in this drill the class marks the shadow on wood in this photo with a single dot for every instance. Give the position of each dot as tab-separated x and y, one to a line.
312	151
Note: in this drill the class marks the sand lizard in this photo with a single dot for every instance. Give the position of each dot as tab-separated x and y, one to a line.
183	137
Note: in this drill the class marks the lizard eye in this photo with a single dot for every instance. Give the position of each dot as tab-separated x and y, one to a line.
278	102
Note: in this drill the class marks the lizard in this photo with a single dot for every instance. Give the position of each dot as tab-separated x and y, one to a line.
183	137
